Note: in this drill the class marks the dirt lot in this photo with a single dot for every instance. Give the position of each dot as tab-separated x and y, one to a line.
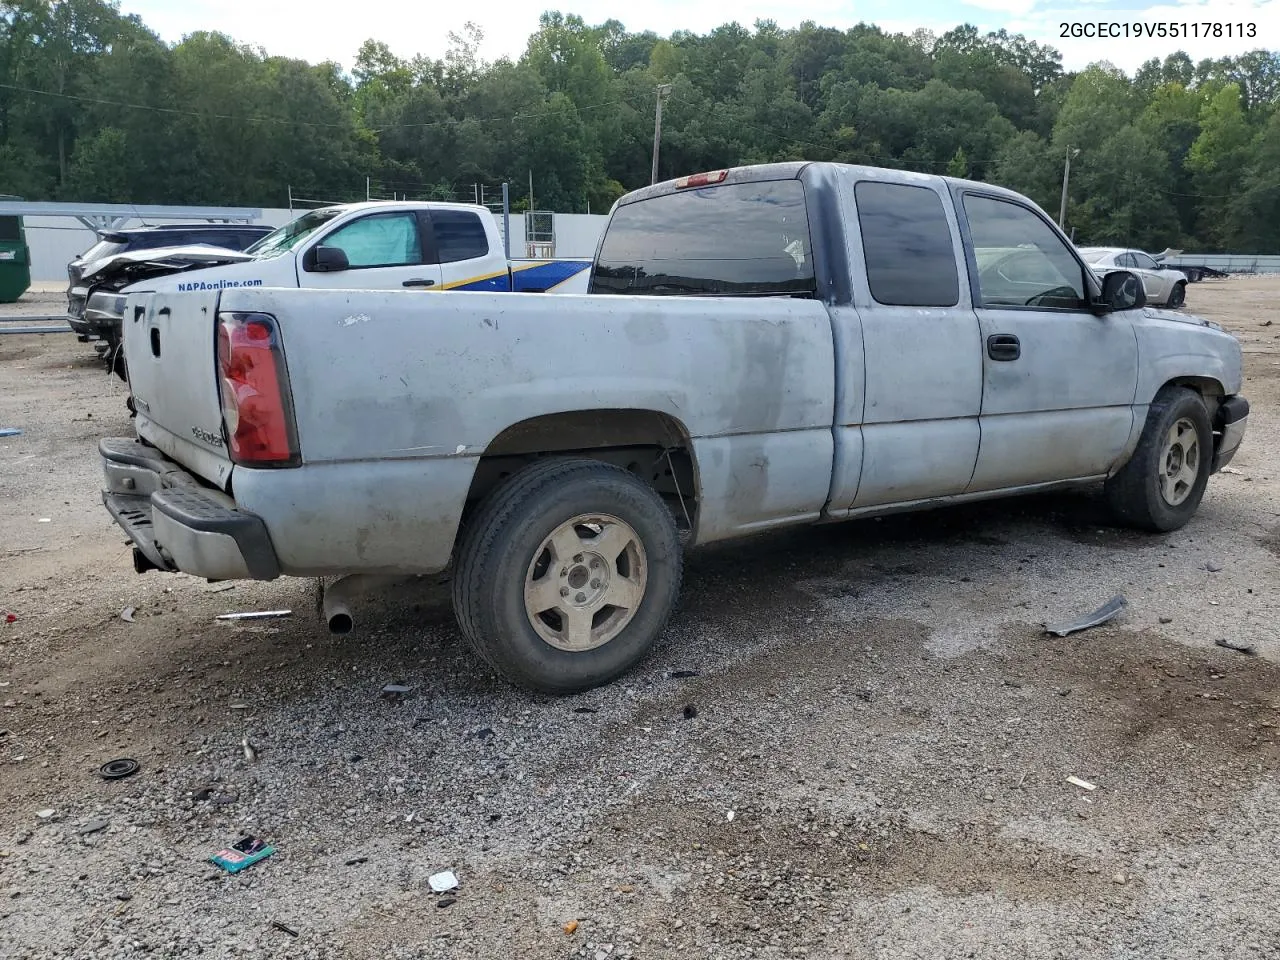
868	760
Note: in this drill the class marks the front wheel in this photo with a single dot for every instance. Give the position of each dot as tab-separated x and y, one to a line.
1161	486
567	574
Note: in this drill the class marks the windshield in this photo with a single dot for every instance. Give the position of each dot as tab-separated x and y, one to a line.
291	234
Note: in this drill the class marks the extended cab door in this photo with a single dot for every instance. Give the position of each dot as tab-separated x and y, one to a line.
913	434
1058	380
383	250
470	259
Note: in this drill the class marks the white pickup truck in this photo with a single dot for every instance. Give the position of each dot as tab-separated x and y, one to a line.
773	345
376	245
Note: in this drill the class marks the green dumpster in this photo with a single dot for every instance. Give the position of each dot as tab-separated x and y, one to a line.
15	258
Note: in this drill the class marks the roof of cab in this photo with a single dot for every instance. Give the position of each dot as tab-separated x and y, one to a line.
795	169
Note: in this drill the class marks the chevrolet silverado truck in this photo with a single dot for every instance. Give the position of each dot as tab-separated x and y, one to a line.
376	245
761	347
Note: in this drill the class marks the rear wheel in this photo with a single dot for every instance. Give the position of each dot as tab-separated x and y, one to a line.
1161	486
567	574
1178	295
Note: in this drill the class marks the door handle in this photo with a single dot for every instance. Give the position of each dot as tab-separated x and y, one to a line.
418	282
1003	346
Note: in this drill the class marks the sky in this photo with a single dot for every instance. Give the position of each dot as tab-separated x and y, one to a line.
318	30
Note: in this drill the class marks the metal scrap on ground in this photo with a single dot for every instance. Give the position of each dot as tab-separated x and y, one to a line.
255	615
1108	611
1248	649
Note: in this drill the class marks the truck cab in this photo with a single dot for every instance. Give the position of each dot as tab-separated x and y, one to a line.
382	246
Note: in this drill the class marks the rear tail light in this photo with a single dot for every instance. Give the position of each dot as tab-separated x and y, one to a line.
257	407
701	179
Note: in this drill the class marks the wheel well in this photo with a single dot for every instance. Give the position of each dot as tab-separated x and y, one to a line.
652	445
1205	386
1210	390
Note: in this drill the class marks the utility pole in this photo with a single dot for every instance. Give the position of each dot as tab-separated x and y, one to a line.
663	90
1066	175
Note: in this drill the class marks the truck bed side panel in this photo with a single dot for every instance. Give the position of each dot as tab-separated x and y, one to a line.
409	390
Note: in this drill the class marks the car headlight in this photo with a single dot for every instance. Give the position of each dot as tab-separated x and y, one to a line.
105	305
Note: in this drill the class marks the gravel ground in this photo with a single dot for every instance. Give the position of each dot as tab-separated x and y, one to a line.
851	742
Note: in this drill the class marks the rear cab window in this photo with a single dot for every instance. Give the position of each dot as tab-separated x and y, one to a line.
737	239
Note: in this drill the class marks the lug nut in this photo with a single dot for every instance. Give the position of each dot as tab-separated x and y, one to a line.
564	591
595	562
581	598
595	584
578	558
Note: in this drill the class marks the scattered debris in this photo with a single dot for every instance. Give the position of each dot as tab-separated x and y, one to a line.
238	706
395	690
10	431
484	733
586	709
684	674
446	902
570	928
45	520
1166	619
222	587
356	861
46	813
124	897
729	816
1213	567
10	617
627	888
255	615
1108	611
1248	649
93	826
245	852
250	751
277	925
1231	470
119	769
1267	323
1119	878
127	614
690	711
445	880
201	794
1082	784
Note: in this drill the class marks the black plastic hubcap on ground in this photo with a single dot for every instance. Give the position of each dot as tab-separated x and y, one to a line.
118	769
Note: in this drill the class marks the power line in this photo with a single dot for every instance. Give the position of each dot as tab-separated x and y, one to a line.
283	121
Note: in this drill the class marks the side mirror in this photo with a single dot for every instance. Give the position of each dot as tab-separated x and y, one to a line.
329	259
1121	290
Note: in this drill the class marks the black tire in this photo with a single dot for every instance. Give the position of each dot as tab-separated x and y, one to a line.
501	543
1178	295
1135	494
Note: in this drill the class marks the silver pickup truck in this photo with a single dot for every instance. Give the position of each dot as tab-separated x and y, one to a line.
760	347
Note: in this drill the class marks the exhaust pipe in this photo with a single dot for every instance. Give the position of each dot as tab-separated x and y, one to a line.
336	598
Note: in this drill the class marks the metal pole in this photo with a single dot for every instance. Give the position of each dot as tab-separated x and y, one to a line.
663	90
531	191
506	218
291	198
366	188
1066	174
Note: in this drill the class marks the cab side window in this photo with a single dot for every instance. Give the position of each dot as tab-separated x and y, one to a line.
381	240
1144	262
459	235
1021	261
907	245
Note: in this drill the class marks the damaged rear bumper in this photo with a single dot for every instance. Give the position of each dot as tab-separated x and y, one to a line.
177	524
1229	426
